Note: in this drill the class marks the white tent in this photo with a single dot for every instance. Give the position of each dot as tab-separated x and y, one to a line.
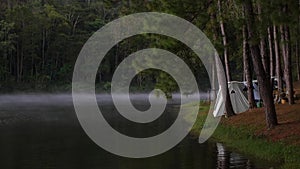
239	102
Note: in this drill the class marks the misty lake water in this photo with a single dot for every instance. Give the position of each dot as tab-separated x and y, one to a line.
42	132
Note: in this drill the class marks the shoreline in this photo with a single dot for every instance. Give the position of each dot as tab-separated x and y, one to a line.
246	140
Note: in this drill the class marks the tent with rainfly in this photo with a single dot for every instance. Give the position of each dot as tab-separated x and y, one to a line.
239	101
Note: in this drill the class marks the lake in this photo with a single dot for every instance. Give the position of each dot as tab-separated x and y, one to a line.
42	132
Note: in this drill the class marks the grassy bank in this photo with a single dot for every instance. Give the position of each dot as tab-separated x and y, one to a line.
247	140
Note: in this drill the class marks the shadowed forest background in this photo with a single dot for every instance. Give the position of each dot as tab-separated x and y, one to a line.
40	39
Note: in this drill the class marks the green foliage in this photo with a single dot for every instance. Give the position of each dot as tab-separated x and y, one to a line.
107	86
166	84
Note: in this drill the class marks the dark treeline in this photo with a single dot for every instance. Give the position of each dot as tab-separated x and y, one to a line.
40	41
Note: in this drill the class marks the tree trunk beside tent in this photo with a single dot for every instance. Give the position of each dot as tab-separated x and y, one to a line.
228	105
264	84
247	70
224	38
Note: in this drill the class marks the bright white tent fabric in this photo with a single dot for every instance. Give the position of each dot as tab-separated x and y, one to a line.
219	105
239	102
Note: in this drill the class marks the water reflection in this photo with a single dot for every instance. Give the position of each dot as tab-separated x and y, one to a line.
227	159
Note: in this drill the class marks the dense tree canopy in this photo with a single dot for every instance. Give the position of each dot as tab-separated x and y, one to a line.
41	39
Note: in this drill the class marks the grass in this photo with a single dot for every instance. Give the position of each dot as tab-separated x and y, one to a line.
245	140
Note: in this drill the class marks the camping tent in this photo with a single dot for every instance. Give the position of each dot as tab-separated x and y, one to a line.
239	102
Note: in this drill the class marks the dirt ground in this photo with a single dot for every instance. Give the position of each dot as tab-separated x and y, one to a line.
288	130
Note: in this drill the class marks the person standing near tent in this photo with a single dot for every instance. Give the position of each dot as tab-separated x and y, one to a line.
257	97
256	94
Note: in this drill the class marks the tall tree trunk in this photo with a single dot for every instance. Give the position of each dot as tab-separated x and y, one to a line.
286	58
278	64
224	38
75	22
43	49
32	58
271	56
288	67
247	70
297	47
265	59
21	63
282	41
18	62
297	59
212	92
264	84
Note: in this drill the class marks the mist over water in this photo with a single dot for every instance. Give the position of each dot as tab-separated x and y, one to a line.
40	107
66	99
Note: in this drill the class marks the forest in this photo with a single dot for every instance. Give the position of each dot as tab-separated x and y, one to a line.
41	39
